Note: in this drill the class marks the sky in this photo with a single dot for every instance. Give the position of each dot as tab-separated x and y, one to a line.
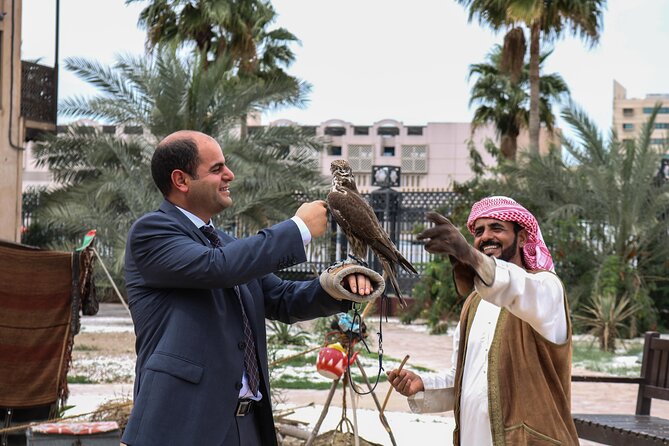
369	60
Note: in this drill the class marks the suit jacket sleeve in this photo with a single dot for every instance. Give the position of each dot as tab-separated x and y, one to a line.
169	254
293	301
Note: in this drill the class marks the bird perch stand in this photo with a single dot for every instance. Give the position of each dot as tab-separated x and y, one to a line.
333	362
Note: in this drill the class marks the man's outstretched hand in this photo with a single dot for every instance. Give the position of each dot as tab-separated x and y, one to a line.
444	238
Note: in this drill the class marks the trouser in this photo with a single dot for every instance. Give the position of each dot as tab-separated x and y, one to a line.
244	431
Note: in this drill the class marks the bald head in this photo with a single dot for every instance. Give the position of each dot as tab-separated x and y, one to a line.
184	134
178	150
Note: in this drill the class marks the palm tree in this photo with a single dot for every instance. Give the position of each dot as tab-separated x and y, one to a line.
614	209
105	181
545	19
503	100
235	29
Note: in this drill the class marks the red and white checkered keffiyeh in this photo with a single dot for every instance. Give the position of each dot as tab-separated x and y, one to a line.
535	252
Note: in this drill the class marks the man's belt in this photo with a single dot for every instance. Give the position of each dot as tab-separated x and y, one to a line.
244	407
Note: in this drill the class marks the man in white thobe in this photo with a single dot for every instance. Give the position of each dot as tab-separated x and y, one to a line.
517	301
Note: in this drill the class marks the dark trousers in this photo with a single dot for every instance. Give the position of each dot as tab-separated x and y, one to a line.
244	431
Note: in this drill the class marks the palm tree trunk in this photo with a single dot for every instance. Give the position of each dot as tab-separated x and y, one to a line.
509	145
534	124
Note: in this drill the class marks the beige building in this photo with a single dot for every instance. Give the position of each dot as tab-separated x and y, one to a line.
631	114
430	156
28	96
11	132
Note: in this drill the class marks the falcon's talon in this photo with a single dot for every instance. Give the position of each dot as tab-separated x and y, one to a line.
359	260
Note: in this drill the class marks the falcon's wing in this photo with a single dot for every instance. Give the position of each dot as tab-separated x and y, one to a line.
356	217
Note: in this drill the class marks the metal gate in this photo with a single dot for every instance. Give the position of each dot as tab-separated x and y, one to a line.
402	215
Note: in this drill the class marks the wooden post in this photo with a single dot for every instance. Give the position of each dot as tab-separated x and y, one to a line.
355	416
382	416
324	412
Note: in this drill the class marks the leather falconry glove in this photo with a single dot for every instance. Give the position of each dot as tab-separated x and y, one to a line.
332	280
468	262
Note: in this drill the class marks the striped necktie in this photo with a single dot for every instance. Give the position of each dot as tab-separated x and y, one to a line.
250	361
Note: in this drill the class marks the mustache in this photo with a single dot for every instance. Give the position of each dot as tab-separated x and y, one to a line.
490	243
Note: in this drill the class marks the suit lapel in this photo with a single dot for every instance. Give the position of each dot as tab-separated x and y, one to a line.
245	293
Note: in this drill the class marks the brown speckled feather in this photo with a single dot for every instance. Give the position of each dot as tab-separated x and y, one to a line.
360	225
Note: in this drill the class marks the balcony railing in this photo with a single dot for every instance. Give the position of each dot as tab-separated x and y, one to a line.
38	93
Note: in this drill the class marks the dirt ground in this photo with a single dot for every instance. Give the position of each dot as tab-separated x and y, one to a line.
433	352
108	344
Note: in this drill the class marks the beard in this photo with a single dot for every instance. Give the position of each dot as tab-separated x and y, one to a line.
511	251
507	253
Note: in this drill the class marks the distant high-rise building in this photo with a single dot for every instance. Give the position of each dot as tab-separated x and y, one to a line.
631	114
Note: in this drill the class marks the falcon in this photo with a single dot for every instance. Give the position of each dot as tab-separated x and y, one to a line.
357	220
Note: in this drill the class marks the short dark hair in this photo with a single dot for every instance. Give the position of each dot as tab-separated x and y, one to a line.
179	153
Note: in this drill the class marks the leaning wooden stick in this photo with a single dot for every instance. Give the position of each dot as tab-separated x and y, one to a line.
390	390
367	309
384	421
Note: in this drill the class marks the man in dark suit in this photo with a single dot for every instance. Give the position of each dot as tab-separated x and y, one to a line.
199	299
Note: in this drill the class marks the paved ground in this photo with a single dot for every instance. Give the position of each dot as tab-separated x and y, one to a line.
399	340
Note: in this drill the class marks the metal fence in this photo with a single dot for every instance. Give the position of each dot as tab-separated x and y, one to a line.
402	215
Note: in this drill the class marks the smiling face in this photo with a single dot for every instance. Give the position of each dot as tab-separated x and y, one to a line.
206	192
497	238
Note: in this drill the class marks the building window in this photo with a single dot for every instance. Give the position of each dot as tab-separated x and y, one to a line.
388	151
361	130
658	141
388	131
335	131
662	110
109	129
85	129
628	127
662	125
133	130
360	157
414	131
334	150
628	112
309	130
414	158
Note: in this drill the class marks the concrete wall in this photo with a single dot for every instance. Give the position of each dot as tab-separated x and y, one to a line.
11	133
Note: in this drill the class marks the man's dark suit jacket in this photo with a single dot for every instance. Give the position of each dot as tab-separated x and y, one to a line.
189	327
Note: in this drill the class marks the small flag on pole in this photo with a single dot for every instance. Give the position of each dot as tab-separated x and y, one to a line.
88	239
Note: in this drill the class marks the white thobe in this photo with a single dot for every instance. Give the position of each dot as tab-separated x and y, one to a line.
538	299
